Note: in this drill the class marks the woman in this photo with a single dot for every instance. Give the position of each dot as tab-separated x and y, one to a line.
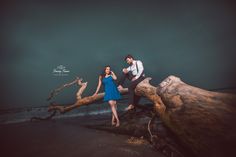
111	92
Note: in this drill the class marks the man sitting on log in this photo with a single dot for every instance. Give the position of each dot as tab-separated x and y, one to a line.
134	73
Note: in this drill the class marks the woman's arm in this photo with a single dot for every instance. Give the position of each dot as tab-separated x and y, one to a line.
113	75
99	85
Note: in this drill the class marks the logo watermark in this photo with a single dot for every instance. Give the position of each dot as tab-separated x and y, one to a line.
60	70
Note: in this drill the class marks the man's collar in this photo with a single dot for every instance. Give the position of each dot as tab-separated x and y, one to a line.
134	61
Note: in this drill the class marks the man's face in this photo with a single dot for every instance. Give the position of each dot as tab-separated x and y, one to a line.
129	60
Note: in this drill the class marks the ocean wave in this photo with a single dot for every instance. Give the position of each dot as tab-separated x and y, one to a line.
24	114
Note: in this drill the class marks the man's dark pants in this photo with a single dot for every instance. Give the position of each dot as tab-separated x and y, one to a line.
133	99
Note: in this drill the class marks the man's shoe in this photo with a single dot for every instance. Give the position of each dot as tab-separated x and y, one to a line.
130	107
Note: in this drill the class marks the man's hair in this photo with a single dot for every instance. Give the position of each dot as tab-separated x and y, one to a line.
128	56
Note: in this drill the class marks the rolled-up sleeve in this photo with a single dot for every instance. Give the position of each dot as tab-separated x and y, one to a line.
128	69
140	69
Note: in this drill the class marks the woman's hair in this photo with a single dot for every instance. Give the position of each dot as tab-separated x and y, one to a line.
103	73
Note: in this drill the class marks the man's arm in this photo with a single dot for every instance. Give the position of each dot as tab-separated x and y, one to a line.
140	69
126	70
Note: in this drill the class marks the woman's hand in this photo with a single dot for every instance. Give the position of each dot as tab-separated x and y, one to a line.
95	94
113	75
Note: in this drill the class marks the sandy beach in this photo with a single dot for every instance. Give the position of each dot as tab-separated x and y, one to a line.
67	138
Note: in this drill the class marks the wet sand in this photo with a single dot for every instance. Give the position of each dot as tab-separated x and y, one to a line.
67	138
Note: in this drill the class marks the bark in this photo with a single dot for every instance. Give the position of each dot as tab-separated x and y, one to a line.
202	120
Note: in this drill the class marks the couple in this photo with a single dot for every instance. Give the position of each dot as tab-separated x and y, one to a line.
134	73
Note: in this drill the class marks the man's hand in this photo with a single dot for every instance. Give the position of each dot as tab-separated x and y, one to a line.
120	87
134	78
125	71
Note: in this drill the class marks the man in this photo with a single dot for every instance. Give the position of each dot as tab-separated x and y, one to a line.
134	73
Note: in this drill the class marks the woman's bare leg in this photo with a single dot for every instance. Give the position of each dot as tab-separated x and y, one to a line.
113	122
117	121
112	117
113	109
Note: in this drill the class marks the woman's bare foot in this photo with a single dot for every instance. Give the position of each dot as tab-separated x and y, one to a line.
130	107
117	124
113	123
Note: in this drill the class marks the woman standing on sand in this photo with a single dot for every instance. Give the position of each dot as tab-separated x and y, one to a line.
111	92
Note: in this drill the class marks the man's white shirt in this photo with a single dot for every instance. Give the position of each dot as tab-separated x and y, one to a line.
136	72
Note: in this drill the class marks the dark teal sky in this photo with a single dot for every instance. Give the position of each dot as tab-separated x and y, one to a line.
195	41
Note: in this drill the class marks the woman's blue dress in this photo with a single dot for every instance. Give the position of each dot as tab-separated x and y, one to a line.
111	91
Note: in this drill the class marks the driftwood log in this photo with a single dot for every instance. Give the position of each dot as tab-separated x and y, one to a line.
80	101
204	121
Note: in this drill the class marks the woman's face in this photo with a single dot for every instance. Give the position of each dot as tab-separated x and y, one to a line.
107	70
